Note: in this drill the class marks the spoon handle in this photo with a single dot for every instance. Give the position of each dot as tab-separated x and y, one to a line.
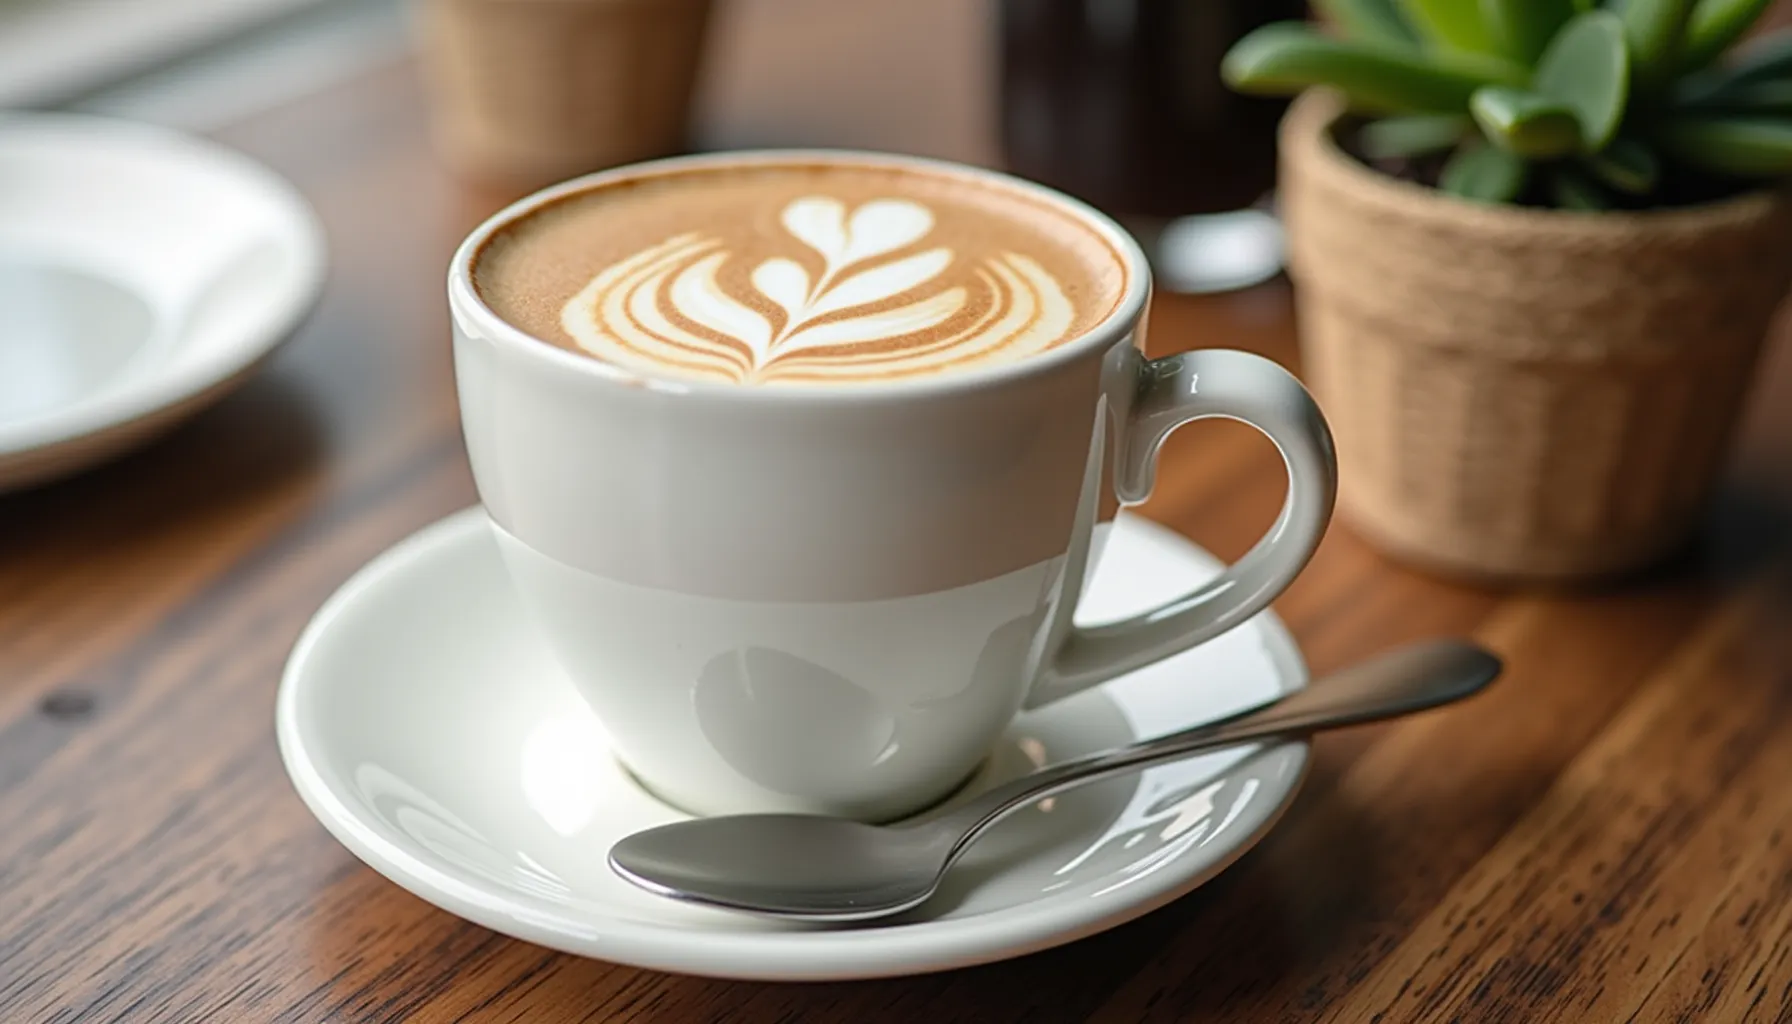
1412	678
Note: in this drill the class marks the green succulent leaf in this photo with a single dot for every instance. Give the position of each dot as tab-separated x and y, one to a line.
1770	97
1713	26
1454	24
1766	59
1525	123
1286	57
1523	28
1413	135
1484	174
1653	28
1587	68
1773	96
1745	147
1626	165
1373	21
1572	190
1770	56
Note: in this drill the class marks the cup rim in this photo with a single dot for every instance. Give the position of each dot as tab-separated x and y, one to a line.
464	299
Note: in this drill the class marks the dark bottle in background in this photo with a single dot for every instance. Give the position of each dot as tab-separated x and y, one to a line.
1120	103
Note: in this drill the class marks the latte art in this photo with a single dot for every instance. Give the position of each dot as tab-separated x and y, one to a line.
801	274
664	306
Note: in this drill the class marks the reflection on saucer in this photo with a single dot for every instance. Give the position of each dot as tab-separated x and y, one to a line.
1197	810
439	830
564	762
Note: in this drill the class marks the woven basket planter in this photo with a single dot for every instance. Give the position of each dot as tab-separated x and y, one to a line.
1522	393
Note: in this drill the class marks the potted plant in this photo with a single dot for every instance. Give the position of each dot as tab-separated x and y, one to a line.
1536	246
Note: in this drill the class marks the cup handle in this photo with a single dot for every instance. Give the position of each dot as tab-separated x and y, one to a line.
1176	390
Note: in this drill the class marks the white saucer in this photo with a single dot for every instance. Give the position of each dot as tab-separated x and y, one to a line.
426	727
142	273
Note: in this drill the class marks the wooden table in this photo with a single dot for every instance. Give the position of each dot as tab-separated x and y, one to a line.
1603	837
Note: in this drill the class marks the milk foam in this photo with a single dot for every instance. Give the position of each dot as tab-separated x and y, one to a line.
881	305
811	271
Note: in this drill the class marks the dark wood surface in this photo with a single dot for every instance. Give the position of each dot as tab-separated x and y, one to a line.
1605	836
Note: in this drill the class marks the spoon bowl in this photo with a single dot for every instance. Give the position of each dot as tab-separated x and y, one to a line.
848	868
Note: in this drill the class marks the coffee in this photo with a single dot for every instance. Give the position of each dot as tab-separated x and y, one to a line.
801	273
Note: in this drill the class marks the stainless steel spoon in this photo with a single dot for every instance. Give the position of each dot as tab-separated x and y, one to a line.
831	869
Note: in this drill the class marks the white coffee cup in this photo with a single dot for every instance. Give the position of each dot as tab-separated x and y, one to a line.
832	599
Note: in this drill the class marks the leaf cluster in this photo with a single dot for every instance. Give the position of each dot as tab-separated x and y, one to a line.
1580	104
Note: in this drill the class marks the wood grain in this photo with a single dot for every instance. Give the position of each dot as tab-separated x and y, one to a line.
1605	836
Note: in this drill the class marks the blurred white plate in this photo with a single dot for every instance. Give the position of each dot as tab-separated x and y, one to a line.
143	273
54	50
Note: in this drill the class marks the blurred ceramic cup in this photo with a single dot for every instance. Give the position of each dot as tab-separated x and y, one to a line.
527	92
